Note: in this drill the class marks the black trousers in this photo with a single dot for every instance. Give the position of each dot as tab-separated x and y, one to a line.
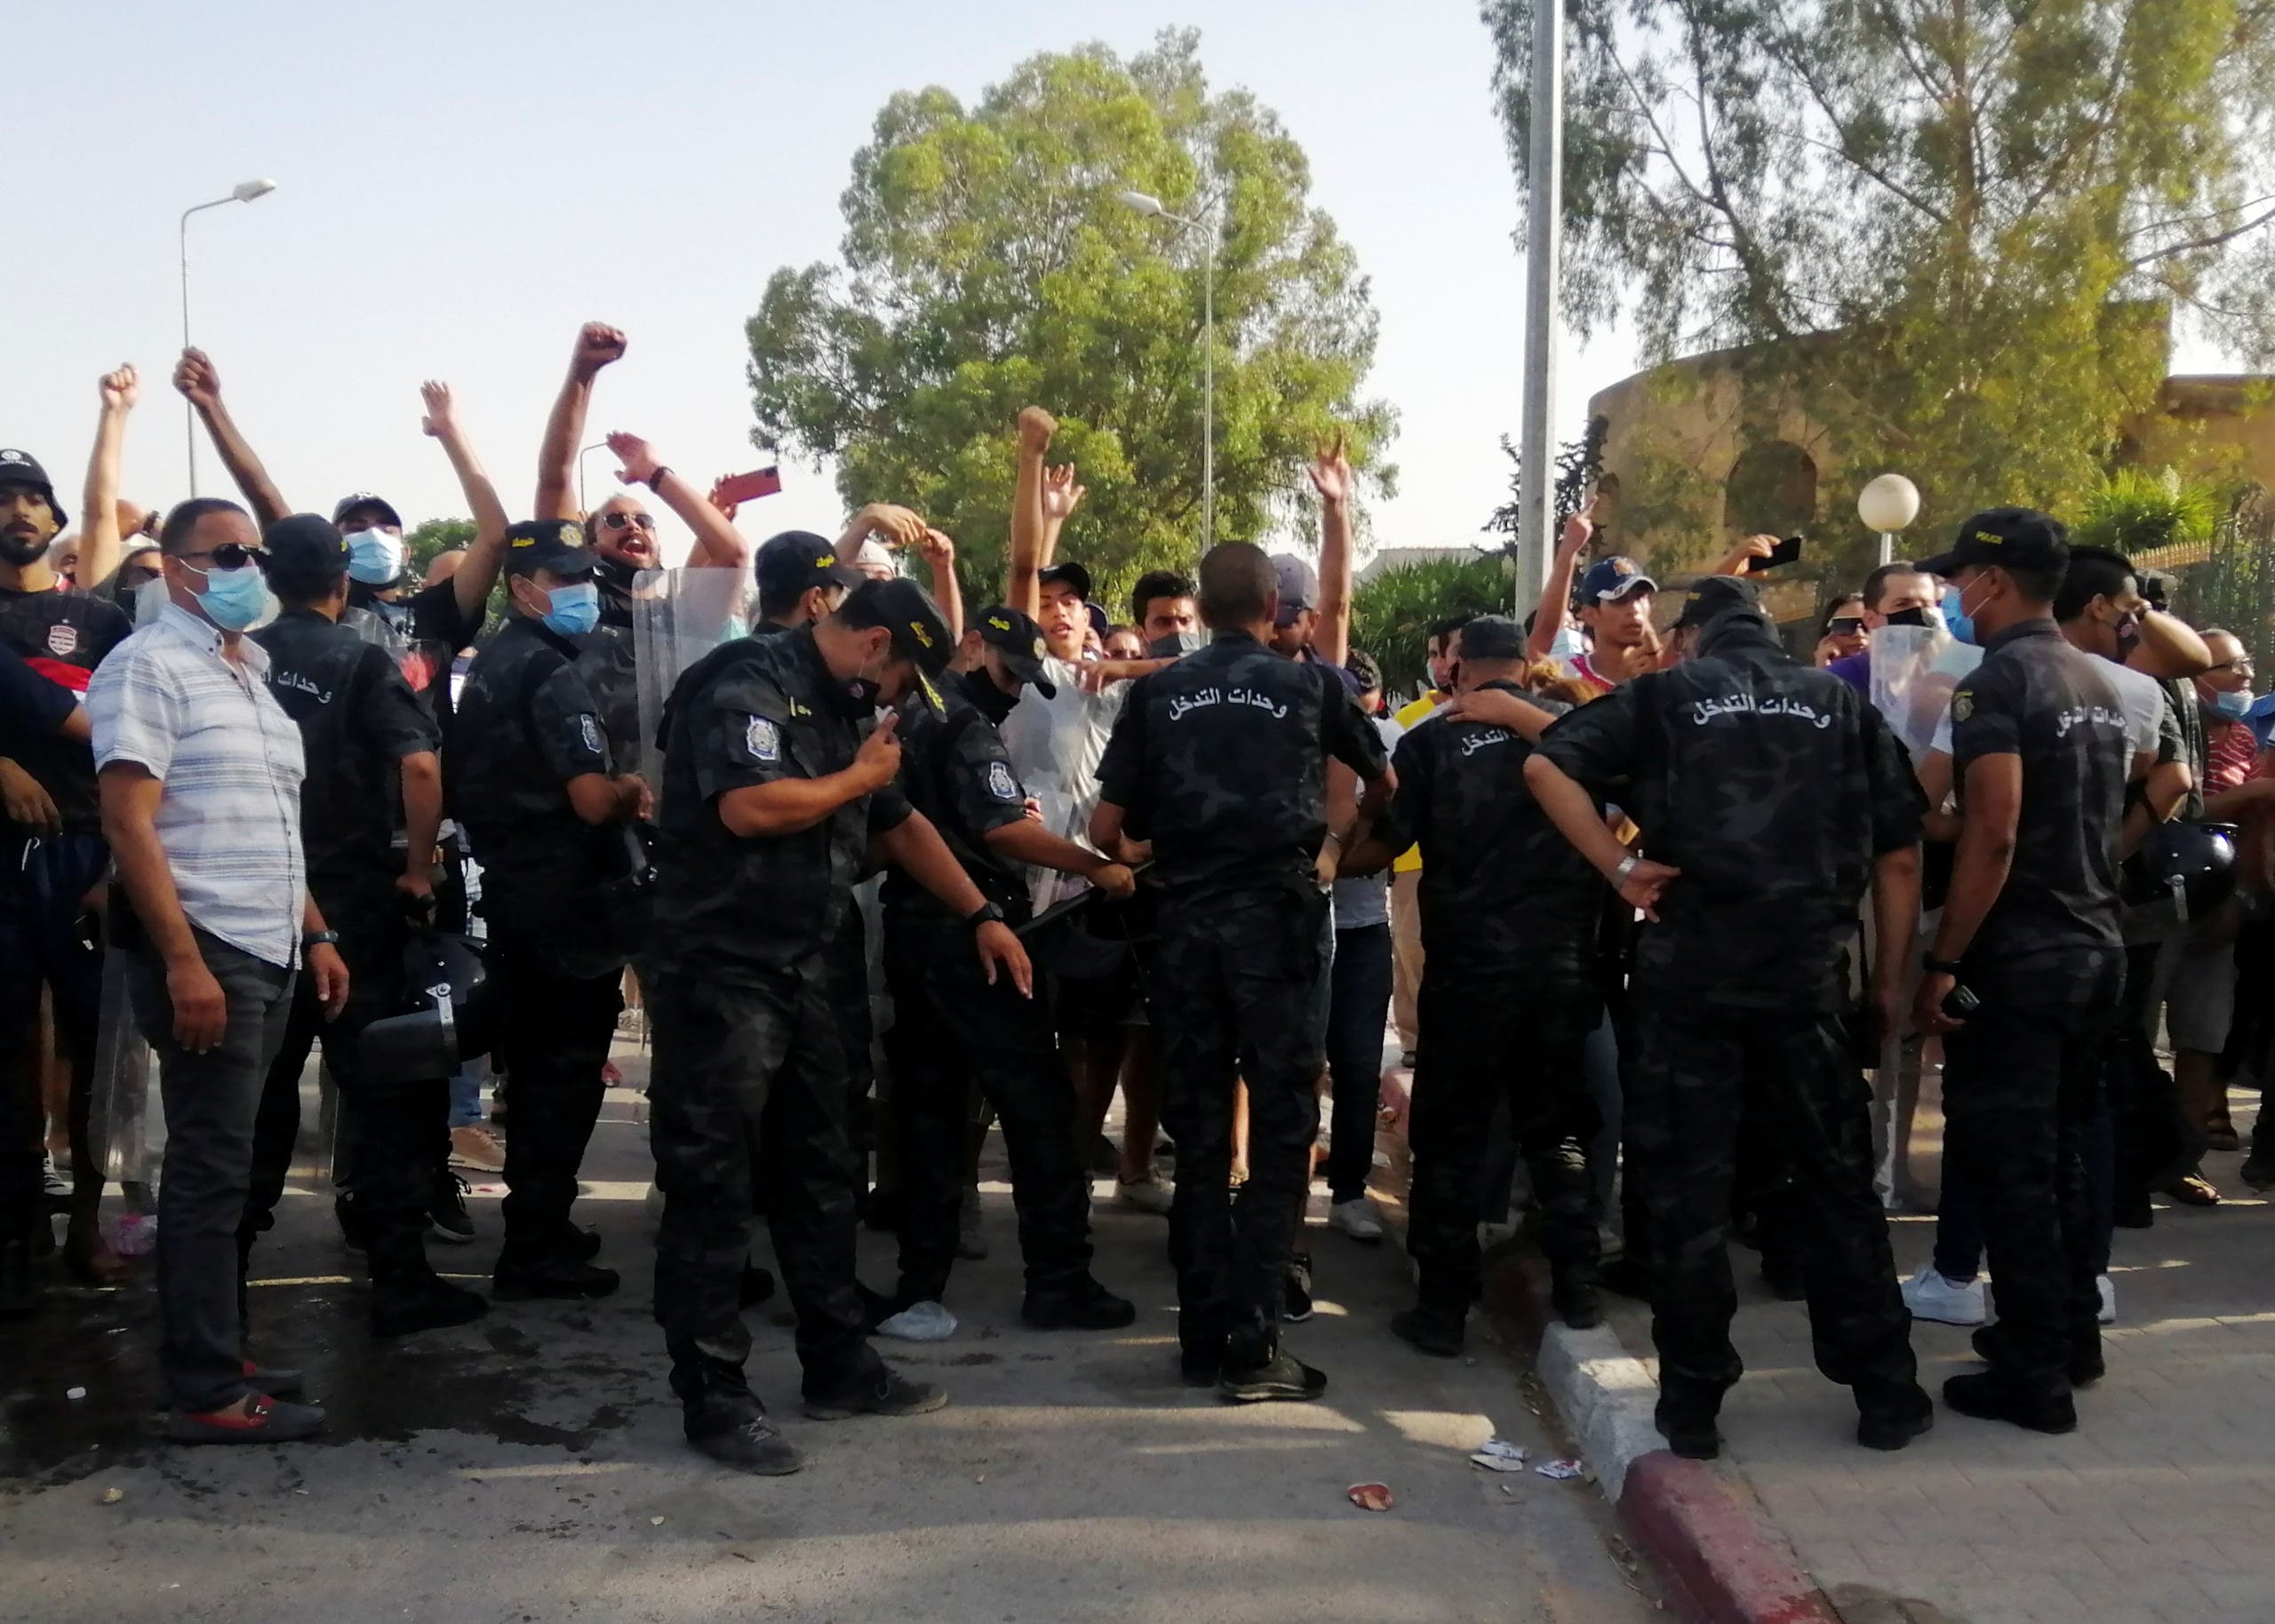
1233	995
553	1040
2022	1081
1702	1075
726	1056
1517	1039
45	937
951	1031
1357	1006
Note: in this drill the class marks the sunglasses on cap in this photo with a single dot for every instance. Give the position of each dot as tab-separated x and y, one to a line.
228	555
629	522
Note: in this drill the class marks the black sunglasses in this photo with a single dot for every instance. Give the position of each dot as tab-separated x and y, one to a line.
229	555
624	522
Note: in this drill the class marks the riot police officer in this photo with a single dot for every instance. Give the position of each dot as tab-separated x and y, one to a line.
776	783
1220	760
1768	794
529	776
1509	916
2029	931
371	749
800	580
953	1029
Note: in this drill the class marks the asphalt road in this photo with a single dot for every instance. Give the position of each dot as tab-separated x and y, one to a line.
530	1467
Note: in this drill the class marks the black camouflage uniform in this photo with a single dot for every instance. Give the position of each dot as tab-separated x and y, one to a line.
2021	1077
1772	787
1220	761
527	725
739	995
1509	918
952	1030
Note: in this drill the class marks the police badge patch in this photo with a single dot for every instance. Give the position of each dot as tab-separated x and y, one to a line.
590	728
1000	785
62	640
762	739
1962	706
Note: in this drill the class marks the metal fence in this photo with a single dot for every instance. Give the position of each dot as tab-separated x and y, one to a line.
2230	580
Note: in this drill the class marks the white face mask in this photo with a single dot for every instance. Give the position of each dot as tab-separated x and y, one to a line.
150	600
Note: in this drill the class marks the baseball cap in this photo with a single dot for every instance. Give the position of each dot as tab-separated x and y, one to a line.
354	499
1298	587
1068	574
920	632
555	545
797	559
1019	641
2022	536
1493	637
22	468
1608	581
1716	594
306	542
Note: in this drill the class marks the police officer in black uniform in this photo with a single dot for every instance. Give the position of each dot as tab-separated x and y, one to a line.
1509	916
800	580
1220	760
527	772
1769	795
371	751
49	862
2029	931
777	782
952	1028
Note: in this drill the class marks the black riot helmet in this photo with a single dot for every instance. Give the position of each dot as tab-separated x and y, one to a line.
451	1013
2193	864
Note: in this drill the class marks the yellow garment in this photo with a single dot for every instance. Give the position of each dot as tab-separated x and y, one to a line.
1410	861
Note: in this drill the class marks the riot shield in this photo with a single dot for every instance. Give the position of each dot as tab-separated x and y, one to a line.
1914	670
124	1116
678	616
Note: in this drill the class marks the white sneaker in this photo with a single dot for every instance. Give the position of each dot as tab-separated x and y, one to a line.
2108	1315
1150	1194
920	1322
1949	1302
1357	1219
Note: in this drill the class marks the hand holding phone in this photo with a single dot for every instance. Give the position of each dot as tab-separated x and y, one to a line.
739	487
1786	551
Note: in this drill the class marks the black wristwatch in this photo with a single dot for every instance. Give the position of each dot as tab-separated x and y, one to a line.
1938	966
318	938
987	913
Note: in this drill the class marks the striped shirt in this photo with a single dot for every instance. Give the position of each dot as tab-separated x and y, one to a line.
230	761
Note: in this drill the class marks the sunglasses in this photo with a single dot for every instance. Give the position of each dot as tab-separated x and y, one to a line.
1844	626
228	555
2241	662
644	522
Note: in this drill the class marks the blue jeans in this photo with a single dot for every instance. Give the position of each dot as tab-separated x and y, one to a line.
1358	1005
466	1093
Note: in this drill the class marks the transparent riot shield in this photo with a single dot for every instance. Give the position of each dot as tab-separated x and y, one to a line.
1914	670
123	1112
679	616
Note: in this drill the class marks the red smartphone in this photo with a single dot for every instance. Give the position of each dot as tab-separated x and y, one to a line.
740	487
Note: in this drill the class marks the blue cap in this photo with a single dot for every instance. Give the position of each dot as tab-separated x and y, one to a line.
1611	579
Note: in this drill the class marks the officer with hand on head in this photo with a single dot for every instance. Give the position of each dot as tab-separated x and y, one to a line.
1769	795
2030	932
529	776
1509	917
800	580
1220	760
777	780
955	1028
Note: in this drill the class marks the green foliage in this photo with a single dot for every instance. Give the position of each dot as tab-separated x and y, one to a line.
1579	462
1391	614
988	263
427	541
1997	204
2134	511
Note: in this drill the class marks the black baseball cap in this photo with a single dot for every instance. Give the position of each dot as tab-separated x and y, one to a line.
796	560
306	542
22	468
1068	574
2020	537
920	632
1019	641
555	545
1493	637
354	499
1716	594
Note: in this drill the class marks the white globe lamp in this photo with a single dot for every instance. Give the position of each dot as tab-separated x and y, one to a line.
1888	504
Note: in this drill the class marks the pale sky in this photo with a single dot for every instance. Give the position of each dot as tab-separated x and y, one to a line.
460	184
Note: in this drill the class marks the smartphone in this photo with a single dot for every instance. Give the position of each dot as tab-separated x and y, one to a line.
1959	1003
1786	551
749	487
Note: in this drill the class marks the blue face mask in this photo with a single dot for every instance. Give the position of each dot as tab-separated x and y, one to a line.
234	598
374	557
576	609
2234	706
1957	621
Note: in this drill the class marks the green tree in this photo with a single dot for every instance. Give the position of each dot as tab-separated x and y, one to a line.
1391	614
433	538
988	263
2000	203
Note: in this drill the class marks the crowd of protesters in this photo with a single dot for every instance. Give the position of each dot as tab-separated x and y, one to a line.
1644	897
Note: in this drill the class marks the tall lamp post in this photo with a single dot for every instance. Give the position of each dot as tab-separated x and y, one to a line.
1543	253
244	191
1888	504
1146	203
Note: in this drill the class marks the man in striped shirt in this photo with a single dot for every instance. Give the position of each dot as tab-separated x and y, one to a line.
199	771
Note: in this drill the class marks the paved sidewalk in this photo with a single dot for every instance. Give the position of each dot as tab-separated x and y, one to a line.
2162	1507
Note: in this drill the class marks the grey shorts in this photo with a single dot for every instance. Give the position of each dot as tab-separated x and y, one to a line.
2201	987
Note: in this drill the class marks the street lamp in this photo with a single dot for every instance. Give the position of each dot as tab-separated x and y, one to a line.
244	191
1888	504
1151	206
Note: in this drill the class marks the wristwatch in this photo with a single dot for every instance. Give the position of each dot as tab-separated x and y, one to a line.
1938	966
987	913
318	938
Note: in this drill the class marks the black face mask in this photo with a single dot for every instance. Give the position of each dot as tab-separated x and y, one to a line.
1914	616
1176	645
989	700
615	575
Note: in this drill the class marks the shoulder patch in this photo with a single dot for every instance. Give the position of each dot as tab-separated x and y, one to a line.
762	739
1000	785
589	726
63	638
1962	704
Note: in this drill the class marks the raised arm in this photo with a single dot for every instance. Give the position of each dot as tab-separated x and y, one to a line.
1022	591
1332	477
2169	646
196	378
99	544
940	554
718	543
1556	591
597	344
486	554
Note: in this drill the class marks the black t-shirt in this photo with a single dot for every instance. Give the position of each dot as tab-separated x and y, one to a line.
2035	696
358	718
421	634
62	635
526	725
1501	886
1772	786
739	909
1221	760
955	770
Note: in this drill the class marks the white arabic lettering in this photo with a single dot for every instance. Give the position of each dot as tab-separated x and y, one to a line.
1476	741
2067	719
1704	711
